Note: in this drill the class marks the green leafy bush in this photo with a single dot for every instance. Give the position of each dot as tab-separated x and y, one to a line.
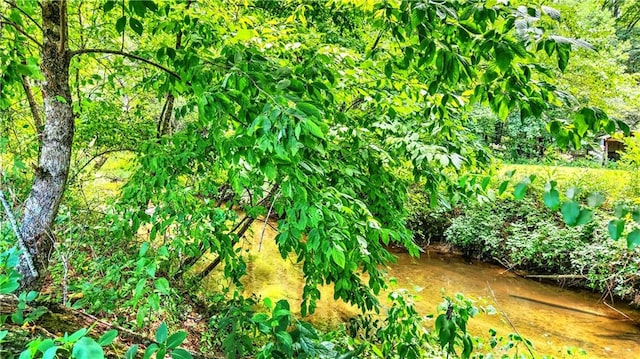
527	235
427	224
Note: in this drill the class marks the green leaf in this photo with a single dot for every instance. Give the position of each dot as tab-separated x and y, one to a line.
552	199
503	187
176	339
596	199
615	228
377	351
624	127
570	212
181	354
620	211
388	70
150	350
108	5
144	247
314	128
285	339
50	353
121	23
131	353
633	239
572	192
154	301
520	190
46	344
564	51
151	5
636	215
161	334
140	287
9	287
586	216
283	84
245	34
136	25
309	109
162	286
338	257
504	56
32	295
108	337
503	110
77	335
138	6
87	348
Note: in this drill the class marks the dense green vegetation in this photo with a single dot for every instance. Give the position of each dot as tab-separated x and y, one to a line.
144	141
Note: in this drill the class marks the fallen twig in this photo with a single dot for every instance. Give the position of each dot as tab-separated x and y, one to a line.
618	311
526	344
556	276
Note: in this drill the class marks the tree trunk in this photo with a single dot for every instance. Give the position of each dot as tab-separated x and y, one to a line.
41	206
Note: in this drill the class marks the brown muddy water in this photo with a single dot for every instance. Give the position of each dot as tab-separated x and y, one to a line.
553	318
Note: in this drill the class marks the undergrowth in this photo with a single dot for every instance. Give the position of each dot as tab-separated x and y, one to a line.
526	235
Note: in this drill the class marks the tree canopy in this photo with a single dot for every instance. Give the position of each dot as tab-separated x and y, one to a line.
320	114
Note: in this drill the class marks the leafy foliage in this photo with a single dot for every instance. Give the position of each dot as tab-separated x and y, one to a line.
234	112
524	234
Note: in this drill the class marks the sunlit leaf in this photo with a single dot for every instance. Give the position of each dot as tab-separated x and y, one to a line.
570	212
615	228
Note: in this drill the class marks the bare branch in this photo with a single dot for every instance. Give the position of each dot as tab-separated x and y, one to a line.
266	220
25	252
165	125
33	106
94	157
125	54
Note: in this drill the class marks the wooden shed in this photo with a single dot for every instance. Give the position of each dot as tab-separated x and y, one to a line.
612	147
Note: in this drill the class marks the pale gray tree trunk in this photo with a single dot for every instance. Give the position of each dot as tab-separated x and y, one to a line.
41	206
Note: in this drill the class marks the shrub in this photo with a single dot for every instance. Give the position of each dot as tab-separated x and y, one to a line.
427	224
526	235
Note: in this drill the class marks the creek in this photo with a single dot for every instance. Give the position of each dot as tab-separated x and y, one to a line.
555	319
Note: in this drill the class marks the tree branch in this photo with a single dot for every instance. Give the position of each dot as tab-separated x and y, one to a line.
64	27
375	43
33	106
20	30
125	54
15	6
73	178
23	247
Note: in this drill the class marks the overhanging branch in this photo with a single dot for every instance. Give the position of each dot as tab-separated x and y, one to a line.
15	6
7	21
125	54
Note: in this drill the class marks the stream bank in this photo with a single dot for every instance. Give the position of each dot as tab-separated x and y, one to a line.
526	236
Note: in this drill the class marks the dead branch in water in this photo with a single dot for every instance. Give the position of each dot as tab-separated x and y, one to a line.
556	276
555	305
495	300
